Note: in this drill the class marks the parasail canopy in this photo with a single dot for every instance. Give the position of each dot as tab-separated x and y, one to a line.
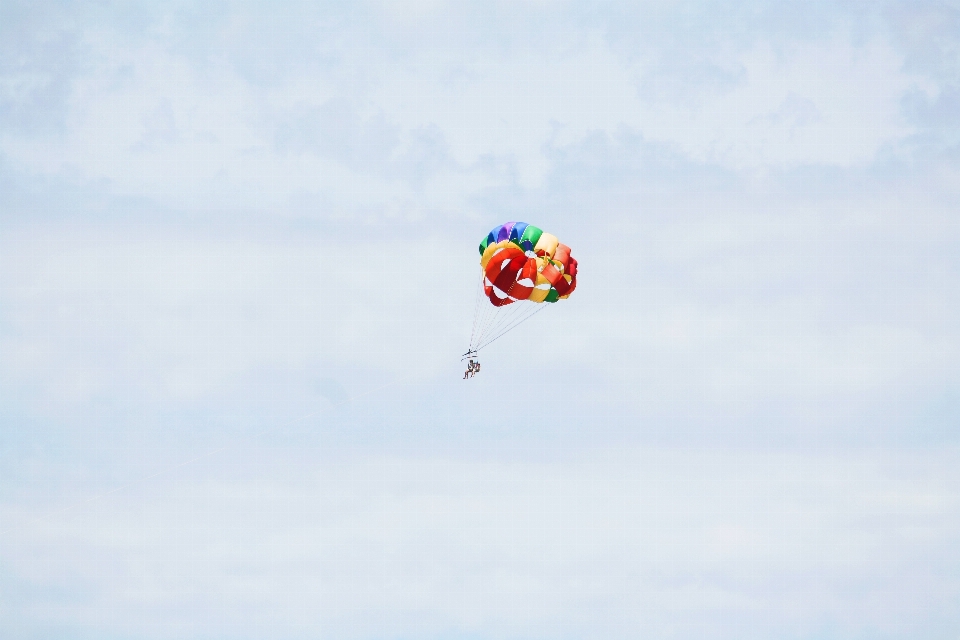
522	264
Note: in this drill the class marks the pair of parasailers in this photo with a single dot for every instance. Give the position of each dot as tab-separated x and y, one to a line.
473	368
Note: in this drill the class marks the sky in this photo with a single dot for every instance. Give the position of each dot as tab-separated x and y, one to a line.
238	260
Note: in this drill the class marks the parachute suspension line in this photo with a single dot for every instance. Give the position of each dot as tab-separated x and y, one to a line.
476	307
496	316
490	314
509	323
499	321
518	311
504	318
484	315
490	341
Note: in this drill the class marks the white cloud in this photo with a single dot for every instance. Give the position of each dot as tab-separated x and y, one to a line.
836	102
611	543
190	318
153	120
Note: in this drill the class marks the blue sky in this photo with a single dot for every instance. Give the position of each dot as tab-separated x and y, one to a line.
237	269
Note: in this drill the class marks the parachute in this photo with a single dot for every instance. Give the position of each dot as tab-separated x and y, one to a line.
521	268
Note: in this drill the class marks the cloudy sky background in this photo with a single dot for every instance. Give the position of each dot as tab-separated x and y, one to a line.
237	269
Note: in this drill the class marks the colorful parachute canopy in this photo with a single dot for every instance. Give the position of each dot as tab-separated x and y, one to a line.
522	262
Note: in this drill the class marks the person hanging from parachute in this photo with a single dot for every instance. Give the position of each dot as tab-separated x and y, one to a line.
520	264
473	368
